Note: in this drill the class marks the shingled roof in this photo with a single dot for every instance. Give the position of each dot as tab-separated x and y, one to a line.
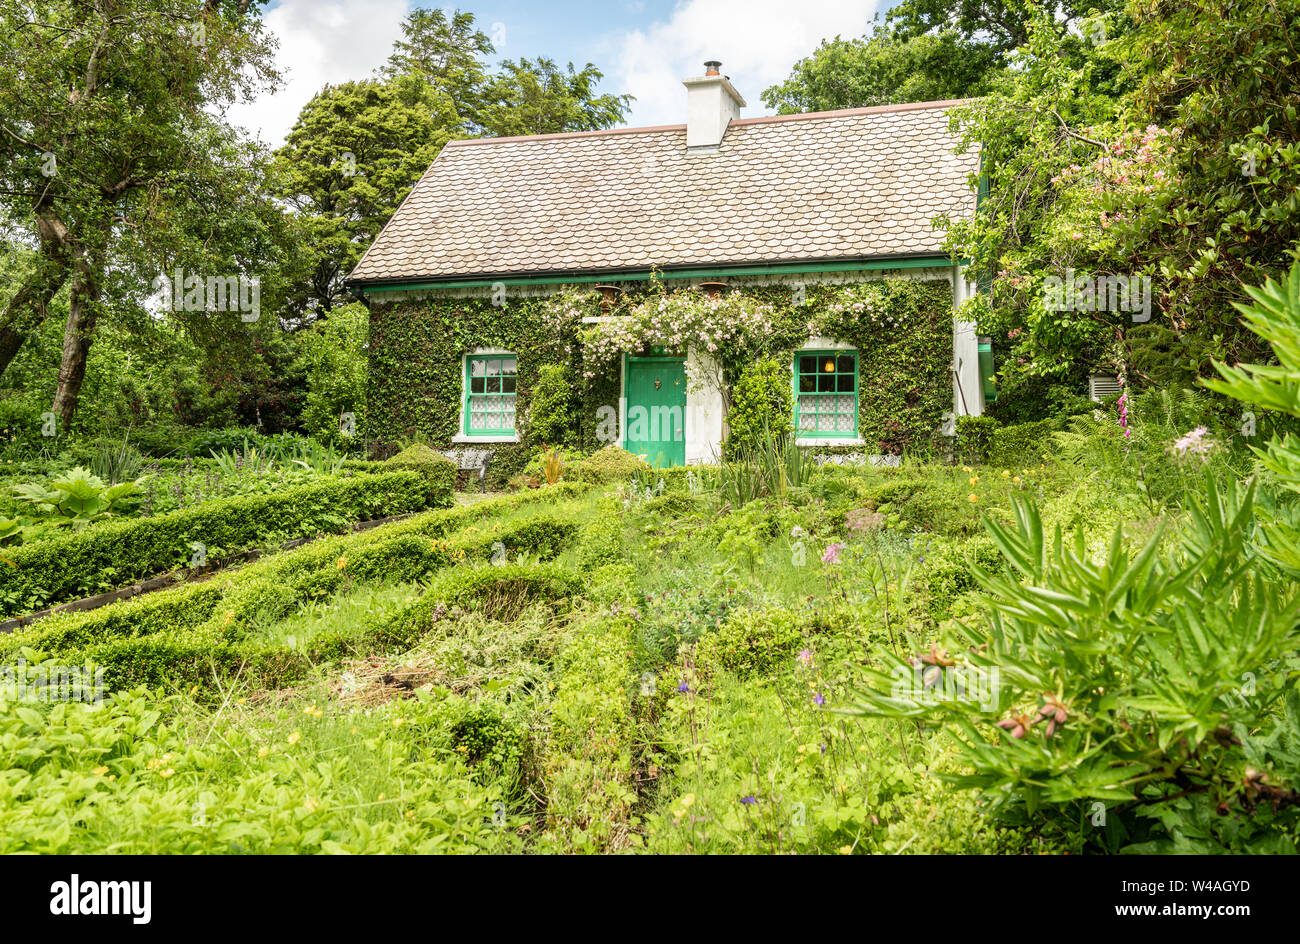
846	185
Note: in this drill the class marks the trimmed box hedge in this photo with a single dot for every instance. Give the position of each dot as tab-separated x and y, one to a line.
116	553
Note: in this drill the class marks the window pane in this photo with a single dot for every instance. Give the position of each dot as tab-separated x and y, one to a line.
507	384
508	365
807	421
494	384
492	420
807	365
477	366
826	422
844	363
844	422
845	405
494	367
476	385
509	420
844	382
476	420
825	383
807	383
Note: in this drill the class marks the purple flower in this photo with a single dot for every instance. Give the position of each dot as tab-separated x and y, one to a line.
1194	443
832	555
819	699
805	657
749	800
683	688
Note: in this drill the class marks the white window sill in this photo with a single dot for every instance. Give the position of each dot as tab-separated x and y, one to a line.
462	439
829	441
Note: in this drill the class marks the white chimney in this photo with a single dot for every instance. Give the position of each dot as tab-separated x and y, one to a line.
711	102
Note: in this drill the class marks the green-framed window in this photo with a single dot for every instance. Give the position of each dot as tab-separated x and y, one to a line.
826	394
489	408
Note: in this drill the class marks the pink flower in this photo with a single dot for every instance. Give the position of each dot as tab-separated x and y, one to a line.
832	555
1195	443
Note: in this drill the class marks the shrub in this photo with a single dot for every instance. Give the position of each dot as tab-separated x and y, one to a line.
974	435
1117	683
760	409
610	464
589	753
1014	446
751	642
405	551
501	592
115	553
601	541
440	472
552	419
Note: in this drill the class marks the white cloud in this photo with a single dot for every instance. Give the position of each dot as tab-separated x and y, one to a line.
757	41
321	41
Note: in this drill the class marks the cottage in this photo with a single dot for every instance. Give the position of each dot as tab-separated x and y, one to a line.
651	265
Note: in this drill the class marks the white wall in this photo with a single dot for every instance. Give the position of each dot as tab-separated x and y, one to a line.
967	393
703	408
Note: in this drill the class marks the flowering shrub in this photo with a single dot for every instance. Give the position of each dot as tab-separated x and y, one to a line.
723	326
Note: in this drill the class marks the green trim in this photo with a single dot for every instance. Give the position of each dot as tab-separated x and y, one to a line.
465	410
988	384
857	402
642	275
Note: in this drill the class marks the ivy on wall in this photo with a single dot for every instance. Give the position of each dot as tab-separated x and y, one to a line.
902	329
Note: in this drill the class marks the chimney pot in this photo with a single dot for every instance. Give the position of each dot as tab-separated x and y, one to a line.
712	67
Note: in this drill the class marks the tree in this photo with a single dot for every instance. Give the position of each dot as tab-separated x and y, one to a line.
101	104
358	148
537	97
884	69
446	52
349	161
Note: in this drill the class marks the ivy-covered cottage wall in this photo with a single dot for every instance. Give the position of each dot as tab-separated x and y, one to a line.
901	327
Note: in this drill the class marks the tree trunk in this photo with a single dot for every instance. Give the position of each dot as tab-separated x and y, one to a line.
27	309
83	312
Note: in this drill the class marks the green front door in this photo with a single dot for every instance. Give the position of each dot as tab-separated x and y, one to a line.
656	409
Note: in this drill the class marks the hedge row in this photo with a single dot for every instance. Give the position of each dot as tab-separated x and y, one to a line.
116	553
982	440
590	792
182	636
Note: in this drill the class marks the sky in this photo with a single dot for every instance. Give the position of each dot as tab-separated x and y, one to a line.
644	47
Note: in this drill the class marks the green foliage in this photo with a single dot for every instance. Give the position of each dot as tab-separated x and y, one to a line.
439	471
113	554
588	756
1118	680
1012	447
535	96
750	643
761	406
78	498
151	774
974	437
552	419
333	358
885	69
610	464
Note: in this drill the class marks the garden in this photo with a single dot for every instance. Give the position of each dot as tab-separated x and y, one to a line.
1087	646
255	597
